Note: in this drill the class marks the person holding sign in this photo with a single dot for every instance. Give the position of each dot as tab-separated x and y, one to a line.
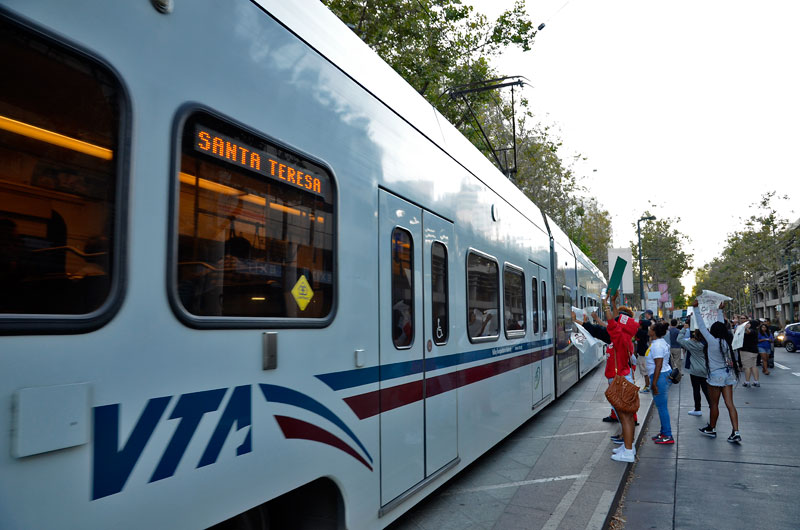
723	374
621	328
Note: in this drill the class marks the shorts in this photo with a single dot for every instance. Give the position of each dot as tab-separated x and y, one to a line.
722	377
748	359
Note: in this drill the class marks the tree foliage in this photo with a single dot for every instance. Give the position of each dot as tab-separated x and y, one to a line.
751	256
438	44
663	258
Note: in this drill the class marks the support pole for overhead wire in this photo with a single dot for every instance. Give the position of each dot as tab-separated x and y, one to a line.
482	86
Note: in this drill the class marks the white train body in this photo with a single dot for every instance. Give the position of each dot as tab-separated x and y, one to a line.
176	400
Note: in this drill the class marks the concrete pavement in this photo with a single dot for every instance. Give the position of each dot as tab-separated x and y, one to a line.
709	483
553	472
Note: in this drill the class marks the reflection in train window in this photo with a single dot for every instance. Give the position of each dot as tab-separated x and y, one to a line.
439	302
544	307
535	300
253	239
59	124
482	297
402	288
513	302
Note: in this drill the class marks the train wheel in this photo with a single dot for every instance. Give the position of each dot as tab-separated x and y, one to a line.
255	519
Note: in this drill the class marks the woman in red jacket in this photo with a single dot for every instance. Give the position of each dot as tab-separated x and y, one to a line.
621	328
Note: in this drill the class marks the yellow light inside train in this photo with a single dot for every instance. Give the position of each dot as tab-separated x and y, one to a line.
216	187
54	138
209	185
282	208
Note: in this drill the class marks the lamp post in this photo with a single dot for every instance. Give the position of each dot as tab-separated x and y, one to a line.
789	259
641	278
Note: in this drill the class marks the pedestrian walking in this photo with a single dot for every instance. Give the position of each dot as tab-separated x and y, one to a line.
695	345
658	368
764	346
674	347
642	343
723	374
749	355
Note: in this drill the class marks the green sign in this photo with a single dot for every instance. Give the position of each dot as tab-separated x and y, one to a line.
616	276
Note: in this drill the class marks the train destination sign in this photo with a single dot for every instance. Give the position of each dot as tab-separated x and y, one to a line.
236	152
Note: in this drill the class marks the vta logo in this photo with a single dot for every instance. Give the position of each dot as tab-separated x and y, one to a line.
113	465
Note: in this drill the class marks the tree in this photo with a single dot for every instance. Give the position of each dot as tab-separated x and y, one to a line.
552	186
438	44
663	258
751	256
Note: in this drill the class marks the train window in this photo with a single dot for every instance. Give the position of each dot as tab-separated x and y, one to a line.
439	302
60	117
535	301
544	306
402	288
483	299
255	234
514	302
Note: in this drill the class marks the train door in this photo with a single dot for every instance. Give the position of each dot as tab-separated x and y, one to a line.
538	326
417	436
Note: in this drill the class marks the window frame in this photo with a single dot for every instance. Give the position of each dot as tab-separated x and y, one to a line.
238	322
543	294
515	333
412	286
49	324
446	292
535	328
489	257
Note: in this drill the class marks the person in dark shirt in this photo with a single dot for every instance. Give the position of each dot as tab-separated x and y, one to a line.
749	353
674	347
642	343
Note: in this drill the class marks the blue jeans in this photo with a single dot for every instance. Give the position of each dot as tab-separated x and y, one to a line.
661	402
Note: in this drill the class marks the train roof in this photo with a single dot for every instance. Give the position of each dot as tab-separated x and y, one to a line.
330	37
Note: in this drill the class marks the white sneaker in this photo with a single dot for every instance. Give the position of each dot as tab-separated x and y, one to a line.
622	448
695	413
626	455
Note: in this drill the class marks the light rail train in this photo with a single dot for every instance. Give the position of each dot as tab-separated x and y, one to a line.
250	278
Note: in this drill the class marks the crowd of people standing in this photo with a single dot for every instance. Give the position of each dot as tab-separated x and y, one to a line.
664	351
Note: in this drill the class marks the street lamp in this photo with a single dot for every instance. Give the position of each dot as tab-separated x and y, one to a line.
789	260
641	279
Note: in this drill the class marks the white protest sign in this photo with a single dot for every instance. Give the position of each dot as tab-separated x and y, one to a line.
708	307
585	312
583	340
738	337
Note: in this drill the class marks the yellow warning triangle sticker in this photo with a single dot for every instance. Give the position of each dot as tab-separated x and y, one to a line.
302	293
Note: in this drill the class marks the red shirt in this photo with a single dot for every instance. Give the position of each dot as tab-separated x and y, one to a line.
621	346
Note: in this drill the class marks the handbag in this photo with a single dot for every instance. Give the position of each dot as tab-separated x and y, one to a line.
621	393
675	376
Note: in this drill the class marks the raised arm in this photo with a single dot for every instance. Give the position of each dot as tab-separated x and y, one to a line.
683	338
701	325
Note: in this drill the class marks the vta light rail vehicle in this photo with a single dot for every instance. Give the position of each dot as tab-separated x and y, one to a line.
250	278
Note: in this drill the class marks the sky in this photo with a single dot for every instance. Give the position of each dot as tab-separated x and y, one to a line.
689	109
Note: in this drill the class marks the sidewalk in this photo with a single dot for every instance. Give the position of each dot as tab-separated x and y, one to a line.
704	483
554	472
